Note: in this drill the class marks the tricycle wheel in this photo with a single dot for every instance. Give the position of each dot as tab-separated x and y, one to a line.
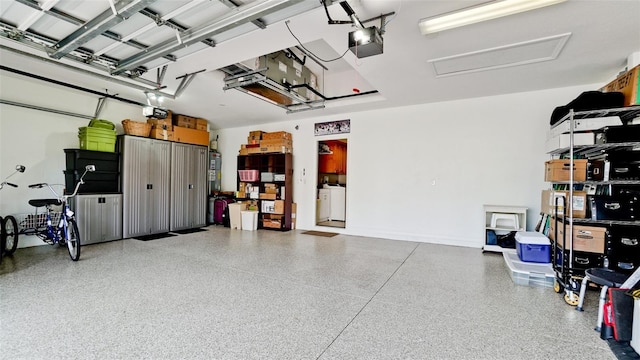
10	227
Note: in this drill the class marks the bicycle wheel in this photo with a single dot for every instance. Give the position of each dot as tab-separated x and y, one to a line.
10	226
73	240
2	239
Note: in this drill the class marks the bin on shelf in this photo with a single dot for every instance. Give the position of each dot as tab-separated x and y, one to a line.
249	220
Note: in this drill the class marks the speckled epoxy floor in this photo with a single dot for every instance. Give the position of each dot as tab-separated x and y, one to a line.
232	294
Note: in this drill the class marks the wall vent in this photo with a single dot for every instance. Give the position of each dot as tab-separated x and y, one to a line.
527	52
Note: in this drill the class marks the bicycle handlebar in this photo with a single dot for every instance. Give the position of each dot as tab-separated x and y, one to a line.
10	184
88	168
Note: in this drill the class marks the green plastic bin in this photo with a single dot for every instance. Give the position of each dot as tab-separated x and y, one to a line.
97	139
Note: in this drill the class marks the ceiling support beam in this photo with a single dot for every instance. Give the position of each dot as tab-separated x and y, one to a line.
97	26
186	80
149	84
241	15
36	15
234	4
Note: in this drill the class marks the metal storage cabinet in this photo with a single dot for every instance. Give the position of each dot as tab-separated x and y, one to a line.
99	217
188	186
146	176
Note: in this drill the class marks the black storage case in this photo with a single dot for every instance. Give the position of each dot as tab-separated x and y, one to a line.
78	159
625	264
618	134
624	240
98	182
625	208
581	260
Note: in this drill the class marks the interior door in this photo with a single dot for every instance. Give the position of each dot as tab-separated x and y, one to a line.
332	175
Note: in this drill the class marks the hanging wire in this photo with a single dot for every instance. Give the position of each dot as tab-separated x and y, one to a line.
397	12
309	51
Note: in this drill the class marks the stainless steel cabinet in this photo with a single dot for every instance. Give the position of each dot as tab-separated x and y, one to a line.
99	217
188	186
146	176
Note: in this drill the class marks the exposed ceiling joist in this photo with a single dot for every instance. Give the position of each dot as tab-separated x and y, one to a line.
234	4
241	15
97	26
36	15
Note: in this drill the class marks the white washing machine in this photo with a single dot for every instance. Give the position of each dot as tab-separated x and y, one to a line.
324	208
337	202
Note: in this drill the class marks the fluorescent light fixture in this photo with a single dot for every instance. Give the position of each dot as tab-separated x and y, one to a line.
483	12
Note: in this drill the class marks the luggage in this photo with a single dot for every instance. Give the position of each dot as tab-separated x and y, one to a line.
618	314
589	100
618	134
220	209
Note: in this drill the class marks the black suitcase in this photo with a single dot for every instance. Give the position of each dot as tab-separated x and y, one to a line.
618	134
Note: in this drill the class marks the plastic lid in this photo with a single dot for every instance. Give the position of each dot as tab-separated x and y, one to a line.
532	237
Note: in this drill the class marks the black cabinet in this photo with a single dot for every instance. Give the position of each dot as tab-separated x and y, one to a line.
267	179
104	180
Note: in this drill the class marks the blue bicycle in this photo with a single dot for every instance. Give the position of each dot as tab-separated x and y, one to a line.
58	224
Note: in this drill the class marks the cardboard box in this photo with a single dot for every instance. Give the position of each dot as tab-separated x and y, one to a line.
268	196
585	238
162	124
277	142
548	202
269	149
161	134
272	221
184	121
558	170
628	84
253	141
270	188
202	124
276	135
273	206
256	134
190	136
243	152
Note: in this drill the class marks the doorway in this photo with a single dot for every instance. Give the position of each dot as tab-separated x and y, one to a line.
332	183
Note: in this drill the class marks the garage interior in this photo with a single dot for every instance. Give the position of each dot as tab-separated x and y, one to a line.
441	126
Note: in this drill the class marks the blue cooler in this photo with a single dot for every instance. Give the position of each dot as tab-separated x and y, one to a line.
532	246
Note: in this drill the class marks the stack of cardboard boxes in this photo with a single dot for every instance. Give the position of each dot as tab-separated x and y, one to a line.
260	142
180	128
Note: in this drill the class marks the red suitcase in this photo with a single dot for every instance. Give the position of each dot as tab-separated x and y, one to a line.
219	207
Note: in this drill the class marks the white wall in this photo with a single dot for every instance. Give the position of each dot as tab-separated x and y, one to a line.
478	151
36	139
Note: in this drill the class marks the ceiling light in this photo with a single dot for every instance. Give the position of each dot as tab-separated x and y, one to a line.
488	11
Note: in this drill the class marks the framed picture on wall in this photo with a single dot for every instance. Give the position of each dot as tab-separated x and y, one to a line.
333	127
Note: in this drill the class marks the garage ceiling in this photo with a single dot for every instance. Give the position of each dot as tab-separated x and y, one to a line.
177	46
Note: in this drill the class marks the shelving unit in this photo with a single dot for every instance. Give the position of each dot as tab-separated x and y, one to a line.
566	269
277	164
502	220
